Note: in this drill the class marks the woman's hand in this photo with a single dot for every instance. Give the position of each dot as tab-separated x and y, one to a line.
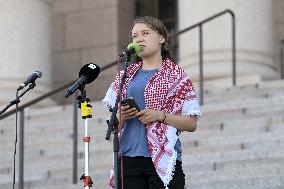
127	113
148	116
180	122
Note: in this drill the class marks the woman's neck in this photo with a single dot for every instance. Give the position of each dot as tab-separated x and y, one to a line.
152	63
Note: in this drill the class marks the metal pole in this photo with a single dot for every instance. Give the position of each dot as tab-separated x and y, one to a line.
21	151
281	57
201	64
75	142
234	50
86	151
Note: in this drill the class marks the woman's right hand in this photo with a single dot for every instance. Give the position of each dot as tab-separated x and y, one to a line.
127	113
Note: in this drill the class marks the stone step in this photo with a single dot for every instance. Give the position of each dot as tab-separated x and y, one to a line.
225	176
199	177
240	103
218	166
263	86
104	160
101	127
58	183
192	143
208	141
252	183
253	124
244	95
269	182
58	113
223	124
228	115
98	132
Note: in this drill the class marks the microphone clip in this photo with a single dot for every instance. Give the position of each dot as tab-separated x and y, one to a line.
31	86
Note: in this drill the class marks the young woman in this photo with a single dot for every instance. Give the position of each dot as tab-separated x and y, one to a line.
150	148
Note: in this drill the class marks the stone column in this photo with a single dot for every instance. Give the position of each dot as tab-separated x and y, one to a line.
255	47
24	46
278	27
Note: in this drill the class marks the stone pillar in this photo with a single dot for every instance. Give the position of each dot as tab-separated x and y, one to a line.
255	46
24	46
278	27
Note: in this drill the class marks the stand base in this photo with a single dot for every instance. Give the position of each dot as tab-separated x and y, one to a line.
87	180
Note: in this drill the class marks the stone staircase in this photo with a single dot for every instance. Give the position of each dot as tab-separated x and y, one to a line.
239	143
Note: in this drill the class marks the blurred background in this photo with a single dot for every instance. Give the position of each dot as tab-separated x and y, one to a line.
231	49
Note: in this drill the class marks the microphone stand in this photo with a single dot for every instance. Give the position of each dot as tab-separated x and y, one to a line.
113	122
86	110
17	100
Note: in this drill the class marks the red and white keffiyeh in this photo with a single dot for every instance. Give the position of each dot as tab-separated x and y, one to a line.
169	90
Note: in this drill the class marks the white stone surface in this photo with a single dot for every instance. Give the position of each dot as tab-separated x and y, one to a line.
254	35
24	46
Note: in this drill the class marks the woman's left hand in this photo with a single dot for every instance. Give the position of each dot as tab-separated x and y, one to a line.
148	116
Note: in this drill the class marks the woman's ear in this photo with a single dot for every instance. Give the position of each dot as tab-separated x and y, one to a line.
162	40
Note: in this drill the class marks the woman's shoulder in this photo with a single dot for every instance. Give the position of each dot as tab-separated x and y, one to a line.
173	68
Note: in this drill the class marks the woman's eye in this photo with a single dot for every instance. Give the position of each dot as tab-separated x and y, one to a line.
145	33
134	36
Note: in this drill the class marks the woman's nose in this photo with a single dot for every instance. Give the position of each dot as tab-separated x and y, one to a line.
139	39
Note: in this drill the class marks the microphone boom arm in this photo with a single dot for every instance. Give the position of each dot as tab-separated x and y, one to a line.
17	100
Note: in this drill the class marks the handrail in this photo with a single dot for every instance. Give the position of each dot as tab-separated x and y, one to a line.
282	59
200	24
42	97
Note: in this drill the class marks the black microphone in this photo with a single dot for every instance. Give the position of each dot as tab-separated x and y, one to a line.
132	48
36	74
87	74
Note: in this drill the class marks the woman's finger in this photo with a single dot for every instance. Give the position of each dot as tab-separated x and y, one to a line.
142	112
130	110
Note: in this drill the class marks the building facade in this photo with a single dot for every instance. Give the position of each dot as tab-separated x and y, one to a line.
60	36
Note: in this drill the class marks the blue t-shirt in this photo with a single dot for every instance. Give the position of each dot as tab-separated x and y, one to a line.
134	137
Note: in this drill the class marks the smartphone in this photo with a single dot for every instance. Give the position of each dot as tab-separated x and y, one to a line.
131	102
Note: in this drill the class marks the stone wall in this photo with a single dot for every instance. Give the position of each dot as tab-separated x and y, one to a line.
87	31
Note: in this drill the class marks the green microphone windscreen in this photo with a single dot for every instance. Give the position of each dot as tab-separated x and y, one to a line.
134	48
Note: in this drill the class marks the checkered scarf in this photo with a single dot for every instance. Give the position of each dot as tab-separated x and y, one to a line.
166	91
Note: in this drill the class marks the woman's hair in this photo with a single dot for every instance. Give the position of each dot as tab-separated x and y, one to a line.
160	28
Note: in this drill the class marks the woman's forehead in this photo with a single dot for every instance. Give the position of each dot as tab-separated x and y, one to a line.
140	27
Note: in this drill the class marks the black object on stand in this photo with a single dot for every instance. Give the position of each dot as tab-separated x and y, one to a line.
113	122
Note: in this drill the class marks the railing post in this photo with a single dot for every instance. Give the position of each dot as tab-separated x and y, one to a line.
75	142
234	49
21	150
282	59
201	64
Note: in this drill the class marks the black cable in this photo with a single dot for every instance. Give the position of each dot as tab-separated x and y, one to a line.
16	139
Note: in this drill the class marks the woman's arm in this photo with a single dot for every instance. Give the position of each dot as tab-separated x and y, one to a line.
180	122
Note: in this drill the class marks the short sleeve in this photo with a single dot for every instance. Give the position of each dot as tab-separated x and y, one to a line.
110	97
191	104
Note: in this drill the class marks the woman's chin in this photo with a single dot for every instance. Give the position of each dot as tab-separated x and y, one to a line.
141	54
144	55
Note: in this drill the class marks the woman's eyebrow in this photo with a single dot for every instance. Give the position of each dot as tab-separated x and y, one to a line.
141	31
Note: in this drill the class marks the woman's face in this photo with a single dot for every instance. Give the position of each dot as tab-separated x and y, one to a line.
149	40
